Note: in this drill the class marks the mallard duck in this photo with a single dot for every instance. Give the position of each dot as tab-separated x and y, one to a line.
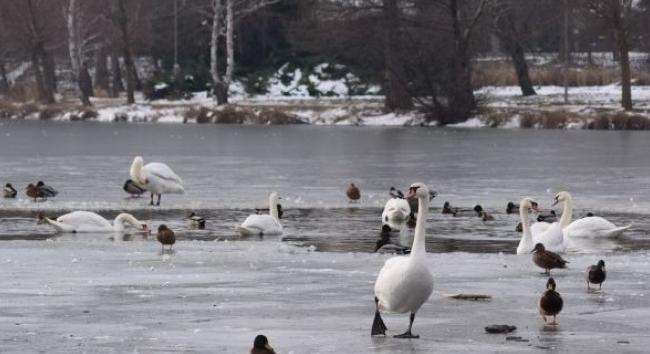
596	274
46	191
512	208
196	221
396	193
353	193
9	191
484	215
261	345
519	227
550	304
447	209
166	237
546	259
34	192
550	217
132	188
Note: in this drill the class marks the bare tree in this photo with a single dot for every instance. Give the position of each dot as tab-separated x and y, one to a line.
80	37
618	15
397	95
120	17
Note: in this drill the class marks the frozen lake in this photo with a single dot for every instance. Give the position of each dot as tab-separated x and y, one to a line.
106	293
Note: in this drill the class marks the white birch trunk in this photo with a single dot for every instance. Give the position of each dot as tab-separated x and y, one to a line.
214	42
230	45
73	37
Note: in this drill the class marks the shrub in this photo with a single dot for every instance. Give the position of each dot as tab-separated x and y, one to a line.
277	117
234	115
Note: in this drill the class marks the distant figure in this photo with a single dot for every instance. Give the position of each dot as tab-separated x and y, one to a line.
261	345
353	193
546	259
596	274
196	222
396	193
512	208
484	215
133	189
550	303
166	237
9	191
45	190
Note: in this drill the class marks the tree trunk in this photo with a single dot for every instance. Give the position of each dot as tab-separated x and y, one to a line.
136	79
4	82
74	50
217	82
626	82
116	76
461	101
397	95
101	71
44	93
49	70
521	68
120	18
85	85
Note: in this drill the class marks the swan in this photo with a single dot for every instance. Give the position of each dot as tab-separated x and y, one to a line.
265	224
526	243
396	211
588	227
155	177
87	221
405	283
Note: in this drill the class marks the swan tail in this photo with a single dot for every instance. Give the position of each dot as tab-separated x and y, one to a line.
618	231
248	230
378	325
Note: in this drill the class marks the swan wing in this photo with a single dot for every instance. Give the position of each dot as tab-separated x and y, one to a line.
403	285
162	171
161	179
260	224
593	226
539	228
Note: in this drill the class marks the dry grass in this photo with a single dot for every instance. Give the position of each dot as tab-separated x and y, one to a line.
560	119
503	74
277	117
235	115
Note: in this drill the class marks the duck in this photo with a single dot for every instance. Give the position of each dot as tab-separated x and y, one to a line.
266	210
547	260
456	211
133	189
166	237
47	191
353	193
550	304
266	224
33	192
405	283
587	227
447	209
196	221
484	215
82	221
596	274
395	193
512	208
156	177
261	345
9	191
550	217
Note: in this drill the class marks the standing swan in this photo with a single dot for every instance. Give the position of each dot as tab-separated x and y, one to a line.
155	177
591	226
405	283
87	221
265	224
526	243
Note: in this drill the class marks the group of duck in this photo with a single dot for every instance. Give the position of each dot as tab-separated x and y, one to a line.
37	191
405	283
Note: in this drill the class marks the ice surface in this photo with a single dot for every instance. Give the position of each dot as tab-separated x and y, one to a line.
99	296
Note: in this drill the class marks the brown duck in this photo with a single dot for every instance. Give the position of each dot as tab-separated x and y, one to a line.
261	346
353	193
547	259
166	236
34	192
550	304
596	274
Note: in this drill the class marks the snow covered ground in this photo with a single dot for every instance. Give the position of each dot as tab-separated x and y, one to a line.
96	295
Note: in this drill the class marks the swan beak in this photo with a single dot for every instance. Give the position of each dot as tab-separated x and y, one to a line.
410	194
555	202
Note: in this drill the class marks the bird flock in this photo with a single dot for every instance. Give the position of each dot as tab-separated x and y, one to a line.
404	283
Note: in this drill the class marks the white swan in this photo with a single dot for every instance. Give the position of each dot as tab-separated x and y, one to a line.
396	212
526	244
263	224
155	177
405	283
589	227
87	221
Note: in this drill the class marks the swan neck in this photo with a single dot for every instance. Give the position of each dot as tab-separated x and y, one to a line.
567	213
526	236
273	207
419	248
120	220
136	172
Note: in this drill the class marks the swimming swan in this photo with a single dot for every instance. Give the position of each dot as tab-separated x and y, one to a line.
588	227
265	224
405	283
87	221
